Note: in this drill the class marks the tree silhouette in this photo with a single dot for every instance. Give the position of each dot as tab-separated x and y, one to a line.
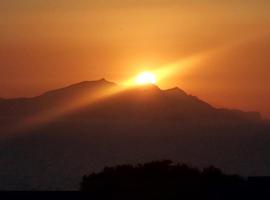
163	180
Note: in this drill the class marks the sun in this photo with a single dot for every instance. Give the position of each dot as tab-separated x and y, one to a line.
146	78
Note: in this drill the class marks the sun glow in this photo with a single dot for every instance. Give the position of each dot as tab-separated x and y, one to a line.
146	78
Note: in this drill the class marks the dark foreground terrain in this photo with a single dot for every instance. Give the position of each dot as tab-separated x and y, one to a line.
165	180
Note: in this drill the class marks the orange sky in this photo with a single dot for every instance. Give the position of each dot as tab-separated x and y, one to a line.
53	43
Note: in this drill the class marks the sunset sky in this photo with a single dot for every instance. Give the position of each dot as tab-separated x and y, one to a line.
46	44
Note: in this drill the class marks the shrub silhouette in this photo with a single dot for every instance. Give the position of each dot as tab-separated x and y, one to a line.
162	180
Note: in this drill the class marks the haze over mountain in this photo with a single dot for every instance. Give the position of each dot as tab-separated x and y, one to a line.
88	125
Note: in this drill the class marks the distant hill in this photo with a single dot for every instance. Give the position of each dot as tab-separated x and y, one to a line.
50	141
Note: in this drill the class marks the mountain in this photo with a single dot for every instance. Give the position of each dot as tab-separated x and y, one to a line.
48	142
145	102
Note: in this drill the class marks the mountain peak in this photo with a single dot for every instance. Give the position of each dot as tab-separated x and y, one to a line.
84	86
99	81
103	80
176	90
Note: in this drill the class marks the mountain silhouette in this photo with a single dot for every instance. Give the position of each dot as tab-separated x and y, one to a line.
144	101
48	142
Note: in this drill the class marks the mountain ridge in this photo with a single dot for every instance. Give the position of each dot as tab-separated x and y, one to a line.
183	103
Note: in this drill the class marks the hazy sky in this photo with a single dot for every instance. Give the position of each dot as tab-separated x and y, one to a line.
52	43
